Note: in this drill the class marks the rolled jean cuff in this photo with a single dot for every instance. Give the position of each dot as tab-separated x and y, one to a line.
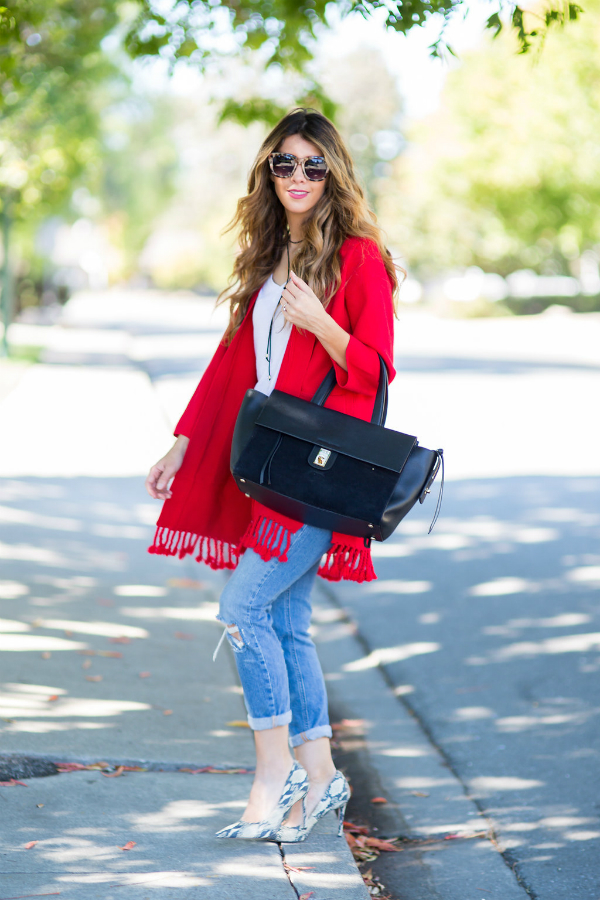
270	721
311	735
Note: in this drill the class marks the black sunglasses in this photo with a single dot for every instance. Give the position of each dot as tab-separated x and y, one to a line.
283	165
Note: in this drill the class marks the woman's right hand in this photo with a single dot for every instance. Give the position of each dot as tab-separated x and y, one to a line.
161	474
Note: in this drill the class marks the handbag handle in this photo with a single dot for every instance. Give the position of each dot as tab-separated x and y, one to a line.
381	397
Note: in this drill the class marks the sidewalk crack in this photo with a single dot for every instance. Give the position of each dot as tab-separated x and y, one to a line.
286	870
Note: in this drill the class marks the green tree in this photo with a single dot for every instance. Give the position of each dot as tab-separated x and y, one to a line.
507	174
52	59
50	63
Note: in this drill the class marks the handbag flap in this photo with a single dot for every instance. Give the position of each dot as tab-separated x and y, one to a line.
336	431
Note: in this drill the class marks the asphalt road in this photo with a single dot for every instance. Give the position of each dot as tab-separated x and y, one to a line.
489	628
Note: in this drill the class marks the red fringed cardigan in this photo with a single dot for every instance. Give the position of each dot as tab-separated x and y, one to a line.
207	515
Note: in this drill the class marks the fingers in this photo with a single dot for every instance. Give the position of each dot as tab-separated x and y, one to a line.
157	482
298	281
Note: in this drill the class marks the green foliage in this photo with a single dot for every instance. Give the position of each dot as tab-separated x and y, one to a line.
50	62
507	174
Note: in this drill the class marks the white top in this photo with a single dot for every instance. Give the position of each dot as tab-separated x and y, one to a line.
265	306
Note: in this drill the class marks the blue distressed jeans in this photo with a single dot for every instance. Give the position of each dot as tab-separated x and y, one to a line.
269	602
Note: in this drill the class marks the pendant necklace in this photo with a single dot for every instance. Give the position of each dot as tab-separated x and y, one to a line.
269	339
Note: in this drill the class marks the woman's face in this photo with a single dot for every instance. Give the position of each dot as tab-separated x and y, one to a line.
297	194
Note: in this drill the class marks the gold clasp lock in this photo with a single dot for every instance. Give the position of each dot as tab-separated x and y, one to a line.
322	457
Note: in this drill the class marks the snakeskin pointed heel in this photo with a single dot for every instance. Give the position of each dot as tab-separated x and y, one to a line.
294	789
335	798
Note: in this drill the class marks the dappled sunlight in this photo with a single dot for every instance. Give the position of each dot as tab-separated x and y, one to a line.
12	515
179	879
75	850
422	783
387	655
395	586
405	752
585	575
129	532
28	727
10	590
205	612
13	625
47	702
140	590
33	553
565	514
472	713
461	534
484	785
175	816
25	643
500	586
107	629
572	643
514	626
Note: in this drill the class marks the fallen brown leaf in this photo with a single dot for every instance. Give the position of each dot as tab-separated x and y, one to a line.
86	664
21	896
120	640
306	896
93	677
144	674
238	723
46	654
30	844
419	794
184	583
379	844
39	805
52	698
114	654
355	829
128	846
68	633
184	636
118	771
289	868
167	712
210	770
12	782
378	800
87	652
347	723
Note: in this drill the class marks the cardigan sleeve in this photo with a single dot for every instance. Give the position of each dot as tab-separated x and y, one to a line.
185	426
368	297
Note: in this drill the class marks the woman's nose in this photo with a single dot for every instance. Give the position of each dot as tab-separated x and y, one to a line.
298	175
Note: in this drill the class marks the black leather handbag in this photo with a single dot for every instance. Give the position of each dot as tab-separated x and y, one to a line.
324	468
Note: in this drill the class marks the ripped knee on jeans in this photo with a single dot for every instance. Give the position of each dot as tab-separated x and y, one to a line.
236	638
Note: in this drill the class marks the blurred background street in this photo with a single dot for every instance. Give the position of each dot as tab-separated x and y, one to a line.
463	682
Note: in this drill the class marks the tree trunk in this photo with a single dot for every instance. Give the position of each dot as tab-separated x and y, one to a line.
6	296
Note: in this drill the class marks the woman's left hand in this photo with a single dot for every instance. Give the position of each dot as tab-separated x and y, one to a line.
301	306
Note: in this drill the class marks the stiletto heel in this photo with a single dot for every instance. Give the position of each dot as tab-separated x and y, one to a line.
335	798
294	789
341	813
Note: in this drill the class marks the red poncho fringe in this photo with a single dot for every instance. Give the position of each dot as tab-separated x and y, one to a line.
207	516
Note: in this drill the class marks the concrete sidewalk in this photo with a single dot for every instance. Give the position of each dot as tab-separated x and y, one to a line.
106	656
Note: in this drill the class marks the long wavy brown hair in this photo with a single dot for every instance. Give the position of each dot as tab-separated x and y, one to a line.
341	212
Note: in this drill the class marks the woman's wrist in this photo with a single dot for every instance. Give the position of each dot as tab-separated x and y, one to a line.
333	338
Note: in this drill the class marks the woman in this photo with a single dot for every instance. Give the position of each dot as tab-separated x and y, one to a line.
312	287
